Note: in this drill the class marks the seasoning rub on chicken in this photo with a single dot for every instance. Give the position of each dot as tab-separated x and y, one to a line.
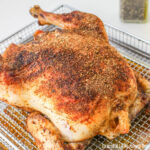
74	83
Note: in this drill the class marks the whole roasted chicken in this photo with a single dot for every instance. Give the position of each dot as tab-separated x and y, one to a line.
74	83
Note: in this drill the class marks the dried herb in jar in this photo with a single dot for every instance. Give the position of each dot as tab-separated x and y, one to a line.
134	10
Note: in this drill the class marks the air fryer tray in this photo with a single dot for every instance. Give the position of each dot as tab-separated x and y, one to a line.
13	134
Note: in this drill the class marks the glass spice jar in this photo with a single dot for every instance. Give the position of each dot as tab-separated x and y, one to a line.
135	11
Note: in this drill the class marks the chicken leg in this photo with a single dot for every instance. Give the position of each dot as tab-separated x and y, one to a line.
75	20
47	136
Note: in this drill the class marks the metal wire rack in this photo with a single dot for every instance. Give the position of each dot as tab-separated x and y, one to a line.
13	134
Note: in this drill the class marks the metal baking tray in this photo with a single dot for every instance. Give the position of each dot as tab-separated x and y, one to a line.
13	134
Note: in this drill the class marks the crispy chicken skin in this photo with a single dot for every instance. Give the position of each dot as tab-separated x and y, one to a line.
75	78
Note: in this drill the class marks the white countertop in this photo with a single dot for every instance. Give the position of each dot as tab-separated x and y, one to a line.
14	14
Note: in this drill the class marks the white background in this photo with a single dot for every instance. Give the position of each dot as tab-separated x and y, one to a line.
14	14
